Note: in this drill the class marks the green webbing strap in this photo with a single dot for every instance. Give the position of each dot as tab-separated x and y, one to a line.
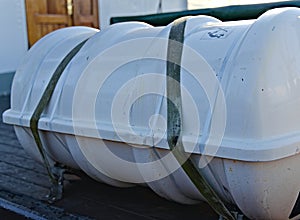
174	120
46	96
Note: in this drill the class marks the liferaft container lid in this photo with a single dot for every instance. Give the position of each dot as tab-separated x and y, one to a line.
240	85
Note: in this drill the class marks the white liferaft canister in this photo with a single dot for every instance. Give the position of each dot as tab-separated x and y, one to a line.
240	86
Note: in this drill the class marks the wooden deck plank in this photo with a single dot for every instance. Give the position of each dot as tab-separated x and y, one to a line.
7	149
18	186
23	174
18	161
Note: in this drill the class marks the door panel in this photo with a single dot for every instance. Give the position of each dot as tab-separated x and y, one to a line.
44	16
86	13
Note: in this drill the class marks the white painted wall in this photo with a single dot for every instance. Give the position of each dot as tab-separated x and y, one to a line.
13	34
113	8
196	4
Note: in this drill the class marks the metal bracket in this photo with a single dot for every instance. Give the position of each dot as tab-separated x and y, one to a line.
70	7
236	215
57	184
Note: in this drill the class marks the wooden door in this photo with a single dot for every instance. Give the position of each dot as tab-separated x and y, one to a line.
86	13
44	16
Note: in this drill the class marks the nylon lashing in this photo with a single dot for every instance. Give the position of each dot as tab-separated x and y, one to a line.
174	119
54	176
